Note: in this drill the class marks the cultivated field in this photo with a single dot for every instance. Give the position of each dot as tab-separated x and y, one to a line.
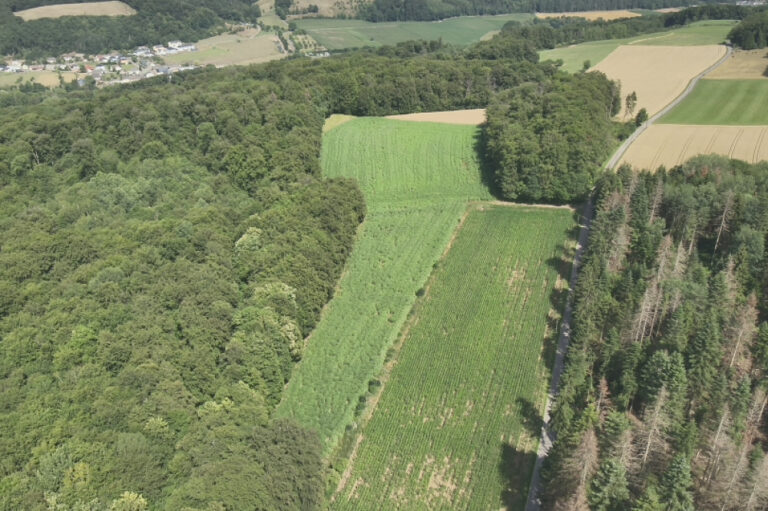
337	34
658	74
673	144
417	179
729	102
84	9
245	47
695	34
457	424
742	65
47	78
590	15
473	117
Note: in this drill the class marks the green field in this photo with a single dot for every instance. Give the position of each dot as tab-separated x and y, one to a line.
457	424
695	34
726	102
417	179
337	34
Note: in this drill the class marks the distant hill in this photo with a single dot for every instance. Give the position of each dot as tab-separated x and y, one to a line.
155	21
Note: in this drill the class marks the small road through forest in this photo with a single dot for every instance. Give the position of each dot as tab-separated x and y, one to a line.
547	434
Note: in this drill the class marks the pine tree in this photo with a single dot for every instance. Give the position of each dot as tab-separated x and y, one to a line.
609	489
676	484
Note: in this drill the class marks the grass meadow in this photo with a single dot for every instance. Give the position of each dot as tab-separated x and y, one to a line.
695	34
457	423
417	179
723	102
336	34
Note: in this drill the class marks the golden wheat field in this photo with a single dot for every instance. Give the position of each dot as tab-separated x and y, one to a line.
467	117
673	144
742	65
590	15
85	9
658	74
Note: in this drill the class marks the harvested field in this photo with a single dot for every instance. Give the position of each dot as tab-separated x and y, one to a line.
47	78
658	74
467	117
85	9
590	15
743	65
673	144
249	46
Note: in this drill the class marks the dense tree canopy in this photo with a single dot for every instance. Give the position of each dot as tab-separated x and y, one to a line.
752	32
536	137
666	368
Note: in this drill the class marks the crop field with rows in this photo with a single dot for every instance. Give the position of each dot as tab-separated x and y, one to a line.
457	423
417	179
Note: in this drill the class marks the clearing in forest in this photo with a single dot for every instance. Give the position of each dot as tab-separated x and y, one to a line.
457	423
728	102
590	15
674	144
658	74
473	117
84	9
700	33
743	65
337	34
417	179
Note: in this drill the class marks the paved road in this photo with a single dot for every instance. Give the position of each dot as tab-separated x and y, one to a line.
639	131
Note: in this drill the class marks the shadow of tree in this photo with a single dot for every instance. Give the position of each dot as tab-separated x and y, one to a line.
515	469
487	176
530	417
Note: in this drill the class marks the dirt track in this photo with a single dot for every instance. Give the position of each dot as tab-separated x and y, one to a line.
468	117
658	74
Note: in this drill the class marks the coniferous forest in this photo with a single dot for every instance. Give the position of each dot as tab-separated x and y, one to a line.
662	403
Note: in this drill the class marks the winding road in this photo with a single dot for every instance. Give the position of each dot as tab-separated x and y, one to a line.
548	436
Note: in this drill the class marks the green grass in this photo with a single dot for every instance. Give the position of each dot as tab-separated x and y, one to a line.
728	102
337	34
417	179
457	424
695	34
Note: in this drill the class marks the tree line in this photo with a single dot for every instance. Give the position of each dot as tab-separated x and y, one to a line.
752	32
423	10
662	402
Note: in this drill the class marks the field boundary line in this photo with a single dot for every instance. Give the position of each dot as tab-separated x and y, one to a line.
619	154
548	435
386	370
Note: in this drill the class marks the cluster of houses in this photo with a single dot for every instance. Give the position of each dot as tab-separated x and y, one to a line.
109	68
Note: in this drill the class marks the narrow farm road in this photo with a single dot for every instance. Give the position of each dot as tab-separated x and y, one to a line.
547	434
616	158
